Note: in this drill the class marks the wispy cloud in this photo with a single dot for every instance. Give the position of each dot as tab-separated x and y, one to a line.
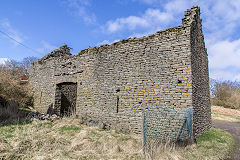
224	54
146	1
79	8
221	23
221	18
107	42
224	58
46	48
7	28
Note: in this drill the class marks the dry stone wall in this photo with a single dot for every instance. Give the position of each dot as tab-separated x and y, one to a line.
116	83
200	78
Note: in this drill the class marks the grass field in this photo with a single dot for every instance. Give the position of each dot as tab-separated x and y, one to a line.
223	117
69	139
225	114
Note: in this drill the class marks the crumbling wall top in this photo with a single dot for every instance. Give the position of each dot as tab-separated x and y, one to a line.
190	15
61	51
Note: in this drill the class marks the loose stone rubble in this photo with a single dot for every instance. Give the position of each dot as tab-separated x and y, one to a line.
41	116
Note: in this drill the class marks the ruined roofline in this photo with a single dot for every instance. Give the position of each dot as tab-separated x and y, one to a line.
64	50
61	51
189	15
132	39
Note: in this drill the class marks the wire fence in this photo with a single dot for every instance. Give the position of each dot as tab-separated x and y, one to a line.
167	124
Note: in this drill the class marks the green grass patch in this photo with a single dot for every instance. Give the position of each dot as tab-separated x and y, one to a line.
8	129
124	138
71	128
9	136
48	124
213	144
213	135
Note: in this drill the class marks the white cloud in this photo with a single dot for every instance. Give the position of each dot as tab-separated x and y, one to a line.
224	54
152	18
220	18
220	25
103	42
130	22
224	59
79	9
138	35
146	1
11	31
222	75
178	6
107	42
46	48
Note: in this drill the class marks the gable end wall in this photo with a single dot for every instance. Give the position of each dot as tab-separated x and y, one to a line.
200	81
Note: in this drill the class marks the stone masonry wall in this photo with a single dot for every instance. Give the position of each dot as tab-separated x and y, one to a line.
116	83
140	72
200	81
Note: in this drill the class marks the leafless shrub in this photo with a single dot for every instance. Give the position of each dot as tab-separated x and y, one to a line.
13	94
12	90
226	93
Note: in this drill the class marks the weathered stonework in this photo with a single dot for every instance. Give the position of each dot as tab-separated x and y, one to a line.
116	83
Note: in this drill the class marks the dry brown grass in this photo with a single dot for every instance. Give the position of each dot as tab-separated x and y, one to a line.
69	139
66	139
225	114
223	117
164	151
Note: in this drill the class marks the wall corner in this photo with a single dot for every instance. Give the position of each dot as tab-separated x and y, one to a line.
191	15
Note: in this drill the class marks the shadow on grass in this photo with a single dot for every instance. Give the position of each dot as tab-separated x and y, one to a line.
13	114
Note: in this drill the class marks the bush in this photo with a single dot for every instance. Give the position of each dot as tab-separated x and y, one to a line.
13	94
12	90
225	93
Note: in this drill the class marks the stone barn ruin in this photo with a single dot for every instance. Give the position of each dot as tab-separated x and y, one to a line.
118	85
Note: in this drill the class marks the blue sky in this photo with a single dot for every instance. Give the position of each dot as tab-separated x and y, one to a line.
45	25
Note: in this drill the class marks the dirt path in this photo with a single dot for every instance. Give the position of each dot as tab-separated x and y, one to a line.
234	129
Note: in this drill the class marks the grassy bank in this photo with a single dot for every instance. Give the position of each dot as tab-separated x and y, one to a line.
212	145
225	114
223	117
69	139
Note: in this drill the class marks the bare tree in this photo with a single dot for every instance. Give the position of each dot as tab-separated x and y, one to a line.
26	63
20	66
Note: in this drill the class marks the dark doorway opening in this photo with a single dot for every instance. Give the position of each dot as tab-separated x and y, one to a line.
65	99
